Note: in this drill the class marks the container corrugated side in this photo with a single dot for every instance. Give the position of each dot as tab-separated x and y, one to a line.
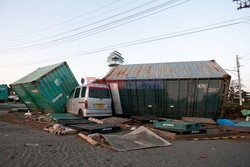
4	93
173	98
49	92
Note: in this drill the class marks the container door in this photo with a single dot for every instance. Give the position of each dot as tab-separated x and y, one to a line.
213	98
116	98
190	98
150	102
172	95
133	97
125	100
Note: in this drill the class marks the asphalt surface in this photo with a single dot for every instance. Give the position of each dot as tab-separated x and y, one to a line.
23	146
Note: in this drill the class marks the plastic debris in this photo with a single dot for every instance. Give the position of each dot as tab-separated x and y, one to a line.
58	129
29	114
225	122
245	112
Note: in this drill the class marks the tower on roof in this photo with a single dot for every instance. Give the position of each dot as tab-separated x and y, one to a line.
115	59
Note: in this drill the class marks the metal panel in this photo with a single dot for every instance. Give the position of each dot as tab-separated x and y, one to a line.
172	98
178	70
47	88
116	98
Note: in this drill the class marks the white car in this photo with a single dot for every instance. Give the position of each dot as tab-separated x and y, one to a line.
92	100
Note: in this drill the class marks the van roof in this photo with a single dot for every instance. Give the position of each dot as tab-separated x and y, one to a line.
94	85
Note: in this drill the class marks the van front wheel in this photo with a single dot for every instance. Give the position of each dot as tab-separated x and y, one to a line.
80	113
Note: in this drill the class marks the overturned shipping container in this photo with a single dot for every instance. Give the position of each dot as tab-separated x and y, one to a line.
46	89
196	89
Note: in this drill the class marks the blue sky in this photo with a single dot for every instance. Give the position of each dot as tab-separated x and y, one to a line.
25	23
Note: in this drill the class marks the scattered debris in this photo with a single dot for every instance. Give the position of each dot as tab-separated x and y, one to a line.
18	110
199	120
212	149
203	156
133	128
42	118
116	120
96	120
248	118
235	129
225	122
66	122
88	139
96	128
32	145
245	112
140	138
243	124
179	127
147	119
28	114
60	130
63	116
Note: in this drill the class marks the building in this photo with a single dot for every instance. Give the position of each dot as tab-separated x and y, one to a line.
176	89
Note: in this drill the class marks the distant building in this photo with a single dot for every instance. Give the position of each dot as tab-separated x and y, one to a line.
176	89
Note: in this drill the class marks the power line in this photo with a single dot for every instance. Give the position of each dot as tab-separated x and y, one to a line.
207	26
64	22
94	23
99	27
127	44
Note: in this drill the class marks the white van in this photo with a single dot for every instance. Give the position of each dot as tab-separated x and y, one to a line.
92	100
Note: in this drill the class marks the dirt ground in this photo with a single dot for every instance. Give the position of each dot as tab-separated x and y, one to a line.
27	145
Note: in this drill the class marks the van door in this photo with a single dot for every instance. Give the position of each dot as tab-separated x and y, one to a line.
99	101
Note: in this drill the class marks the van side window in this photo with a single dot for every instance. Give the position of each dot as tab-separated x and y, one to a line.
77	93
71	94
99	93
83	91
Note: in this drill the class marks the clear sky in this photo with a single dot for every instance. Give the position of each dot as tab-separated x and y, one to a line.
30	31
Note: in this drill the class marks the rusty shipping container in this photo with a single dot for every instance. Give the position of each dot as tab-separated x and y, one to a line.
196	89
46	89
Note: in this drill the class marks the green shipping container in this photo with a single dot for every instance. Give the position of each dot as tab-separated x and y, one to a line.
46	89
193	89
4	93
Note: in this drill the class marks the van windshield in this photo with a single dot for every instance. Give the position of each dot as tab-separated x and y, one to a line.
99	93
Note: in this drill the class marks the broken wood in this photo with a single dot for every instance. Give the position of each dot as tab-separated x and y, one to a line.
164	134
88	139
46	129
199	120
205	136
235	129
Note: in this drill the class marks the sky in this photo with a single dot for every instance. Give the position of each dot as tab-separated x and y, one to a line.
38	33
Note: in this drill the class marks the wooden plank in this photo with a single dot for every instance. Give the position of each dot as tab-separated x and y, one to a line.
204	136
88	139
235	129
164	134
199	120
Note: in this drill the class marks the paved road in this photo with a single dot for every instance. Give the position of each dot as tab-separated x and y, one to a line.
71	151
49	150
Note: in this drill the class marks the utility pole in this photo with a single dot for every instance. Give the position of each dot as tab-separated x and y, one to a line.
238	71
242	4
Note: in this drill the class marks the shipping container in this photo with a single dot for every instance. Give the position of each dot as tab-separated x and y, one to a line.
4	93
46	89
196	89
